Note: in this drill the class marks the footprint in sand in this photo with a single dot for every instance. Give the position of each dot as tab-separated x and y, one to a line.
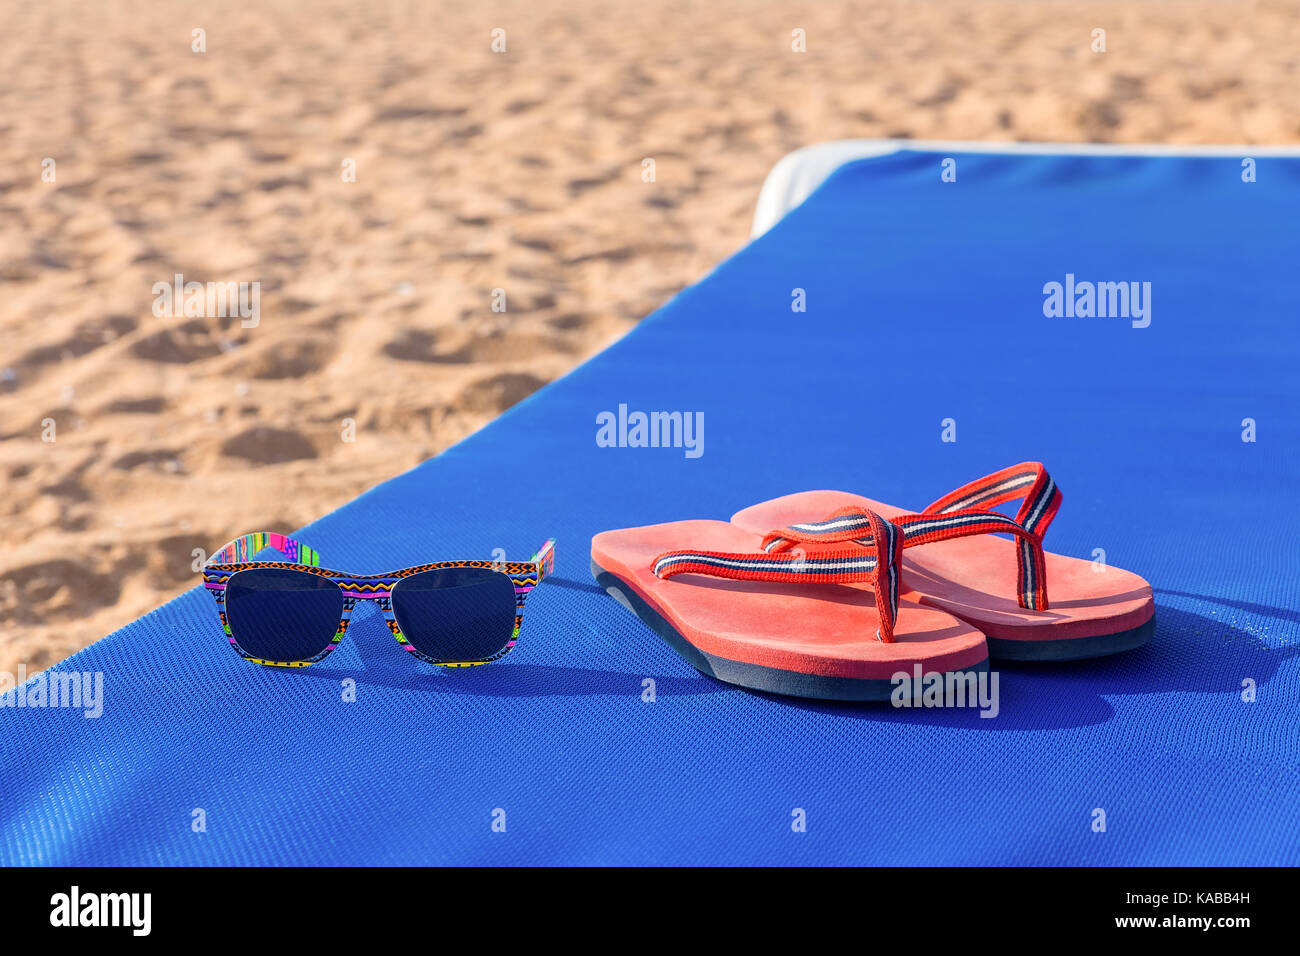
420	112
87	337
495	394
165	459
179	345
291	358
57	588
146	405
579	186
269	446
452	347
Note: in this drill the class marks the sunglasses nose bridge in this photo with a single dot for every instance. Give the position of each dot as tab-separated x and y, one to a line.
378	590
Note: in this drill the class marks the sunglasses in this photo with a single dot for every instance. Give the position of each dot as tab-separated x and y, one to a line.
293	613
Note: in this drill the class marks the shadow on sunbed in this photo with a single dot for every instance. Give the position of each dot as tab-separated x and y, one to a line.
371	656
1189	653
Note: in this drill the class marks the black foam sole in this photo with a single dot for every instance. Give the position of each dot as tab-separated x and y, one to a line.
773	680
1073	648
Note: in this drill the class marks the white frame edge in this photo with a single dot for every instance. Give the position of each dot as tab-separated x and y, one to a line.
798	174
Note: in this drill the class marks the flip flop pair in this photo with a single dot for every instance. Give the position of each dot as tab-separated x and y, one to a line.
827	594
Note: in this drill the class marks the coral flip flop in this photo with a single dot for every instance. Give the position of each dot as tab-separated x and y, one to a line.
756	612
954	562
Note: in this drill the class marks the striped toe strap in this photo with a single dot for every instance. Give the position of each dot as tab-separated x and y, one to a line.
965	512
857	546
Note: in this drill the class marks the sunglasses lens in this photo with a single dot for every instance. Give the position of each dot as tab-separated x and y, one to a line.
278	614
456	614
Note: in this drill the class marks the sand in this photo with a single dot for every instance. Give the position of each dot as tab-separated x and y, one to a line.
474	171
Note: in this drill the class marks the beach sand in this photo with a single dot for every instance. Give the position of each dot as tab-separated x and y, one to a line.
474	171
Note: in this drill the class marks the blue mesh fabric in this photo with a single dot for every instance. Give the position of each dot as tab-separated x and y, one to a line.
924	302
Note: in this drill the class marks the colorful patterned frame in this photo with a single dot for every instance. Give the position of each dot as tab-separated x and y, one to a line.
236	555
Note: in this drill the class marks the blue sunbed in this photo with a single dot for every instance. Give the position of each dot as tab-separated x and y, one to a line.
924	303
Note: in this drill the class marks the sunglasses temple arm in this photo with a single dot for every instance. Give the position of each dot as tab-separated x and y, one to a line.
544	559
246	546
